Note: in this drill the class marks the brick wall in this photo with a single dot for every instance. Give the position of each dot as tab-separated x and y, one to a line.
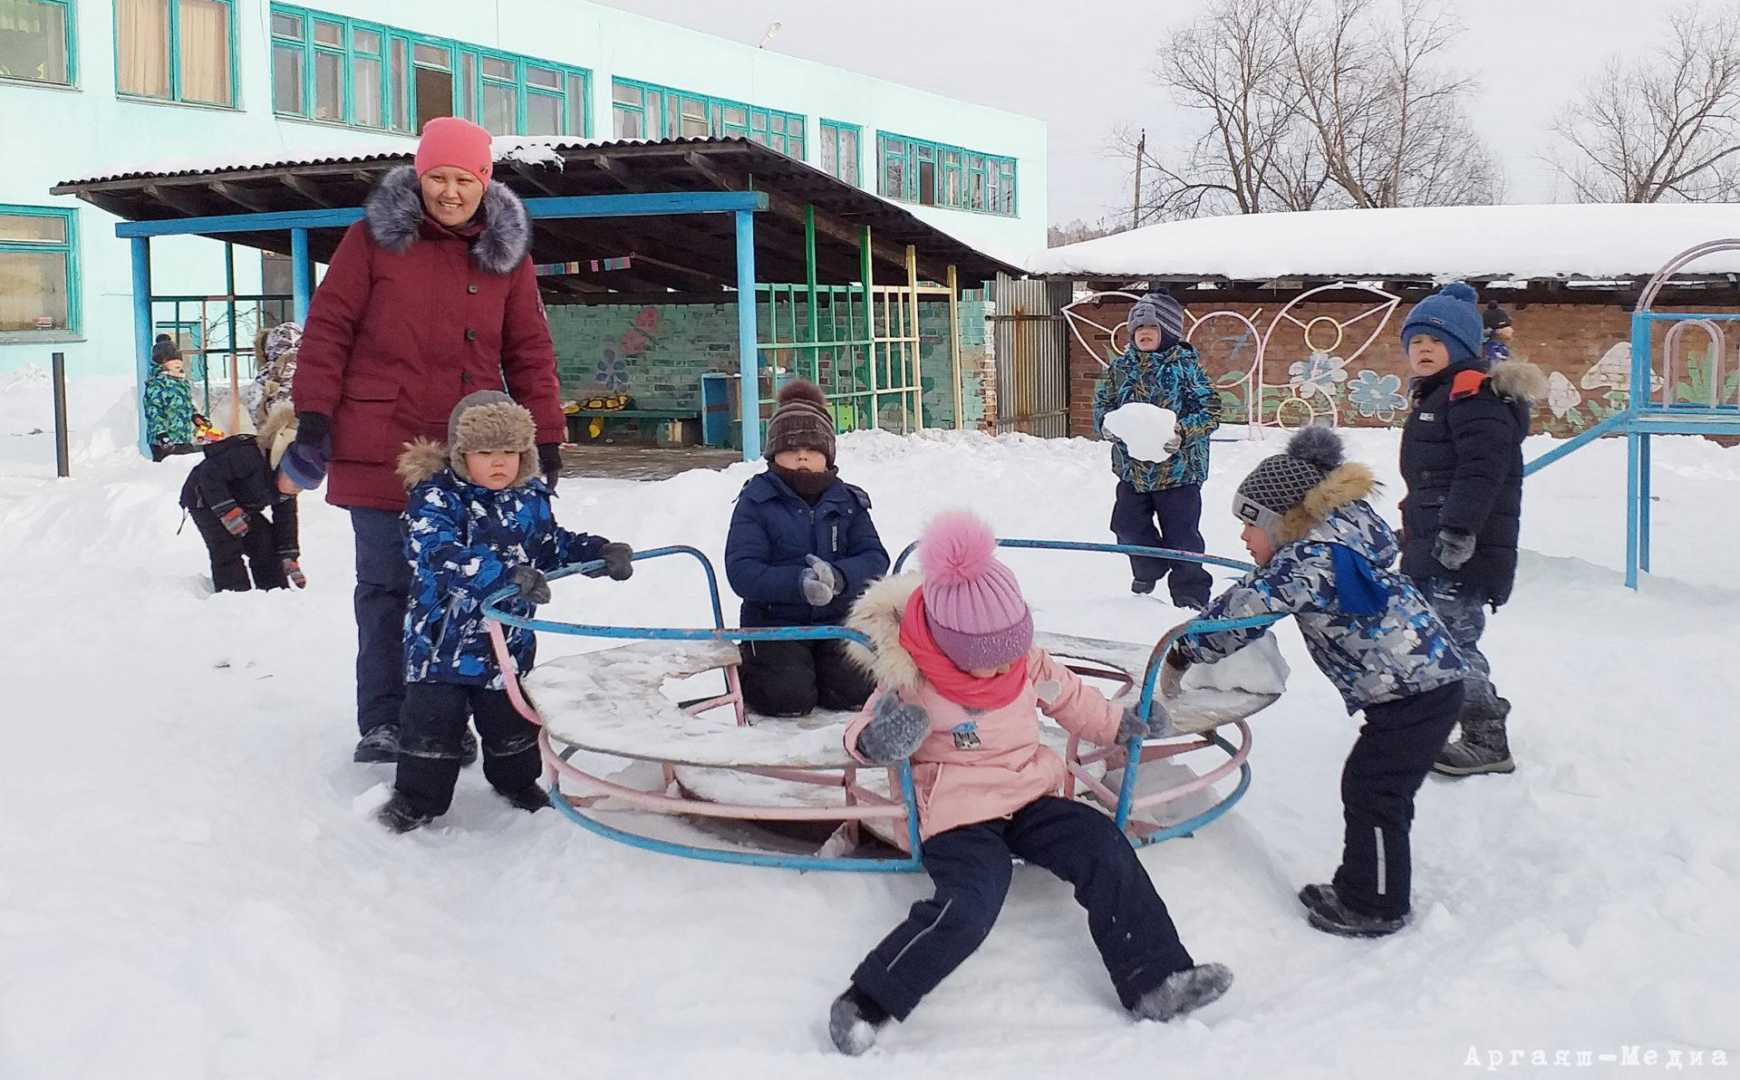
1584	348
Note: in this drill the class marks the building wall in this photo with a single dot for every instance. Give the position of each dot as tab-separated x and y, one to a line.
52	134
1584	349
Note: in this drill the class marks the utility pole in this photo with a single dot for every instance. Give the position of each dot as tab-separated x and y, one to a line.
1136	202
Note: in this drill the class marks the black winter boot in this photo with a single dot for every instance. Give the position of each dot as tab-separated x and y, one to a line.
400	816
1483	748
530	798
1141	588
1183	992
853	1022
379	746
1330	915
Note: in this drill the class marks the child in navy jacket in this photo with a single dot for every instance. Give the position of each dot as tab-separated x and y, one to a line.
800	550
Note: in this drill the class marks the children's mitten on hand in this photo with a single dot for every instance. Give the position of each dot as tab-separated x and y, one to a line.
1172	674
1453	548
531	583
232	517
894	732
618	560
820	582
1157	726
293	573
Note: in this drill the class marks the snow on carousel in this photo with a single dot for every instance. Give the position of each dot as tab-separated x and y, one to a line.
632	759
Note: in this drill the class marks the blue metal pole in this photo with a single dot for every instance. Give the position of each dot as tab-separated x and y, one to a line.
749	388
301	274
142	330
1643	476
1631	504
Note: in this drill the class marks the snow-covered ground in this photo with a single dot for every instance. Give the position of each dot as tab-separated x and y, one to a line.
190	885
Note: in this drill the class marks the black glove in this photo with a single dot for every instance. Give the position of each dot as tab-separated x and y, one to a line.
312	429
550	464
618	561
531	583
1453	548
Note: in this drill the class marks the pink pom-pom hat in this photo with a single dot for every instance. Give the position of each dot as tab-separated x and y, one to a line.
973	604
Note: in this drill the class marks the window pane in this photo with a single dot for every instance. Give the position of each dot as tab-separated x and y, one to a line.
287	79
927	183
627	123
328	33
537	76
328	86
994	189
33	41
976	193
401	87
365	41
32	291
894	170
628	95
1008	189
142	47
777	122
736	116
694	118
499	107
365	92
467	85
434	95
205	51
543	114
830	156
435	56
289	26
849	156
576	105
794	145
31	228
497	69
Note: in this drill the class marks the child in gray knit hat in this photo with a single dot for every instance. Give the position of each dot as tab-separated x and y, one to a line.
1327	558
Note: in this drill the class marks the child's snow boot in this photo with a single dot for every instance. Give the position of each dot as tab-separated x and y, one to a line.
467	748
1483	747
1140	587
530	798
1182	992
379	746
1329	914
400	816
853	1022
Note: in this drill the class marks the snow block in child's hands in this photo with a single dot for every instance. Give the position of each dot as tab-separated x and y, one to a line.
1258	668
1144	429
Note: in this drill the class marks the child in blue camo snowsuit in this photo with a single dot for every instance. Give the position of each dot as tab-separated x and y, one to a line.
1327	558
477	518
1161	368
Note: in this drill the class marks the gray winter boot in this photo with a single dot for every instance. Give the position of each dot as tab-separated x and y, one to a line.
1483	747
1182	992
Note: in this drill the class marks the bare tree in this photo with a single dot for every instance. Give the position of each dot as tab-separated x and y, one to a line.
1666	128
1075	232
1388	119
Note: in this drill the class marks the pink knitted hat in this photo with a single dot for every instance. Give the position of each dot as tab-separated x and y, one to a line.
453	140
972	602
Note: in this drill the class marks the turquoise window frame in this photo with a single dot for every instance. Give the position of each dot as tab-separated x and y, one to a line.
966	167
831	132
69	20
659	121
466	68
68	247
174	96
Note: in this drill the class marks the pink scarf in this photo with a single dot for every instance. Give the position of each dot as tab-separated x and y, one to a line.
965	690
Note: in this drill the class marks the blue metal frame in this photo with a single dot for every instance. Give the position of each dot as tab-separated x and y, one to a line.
914	861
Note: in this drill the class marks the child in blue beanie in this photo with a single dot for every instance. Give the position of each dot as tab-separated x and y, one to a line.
1462	463
1161	368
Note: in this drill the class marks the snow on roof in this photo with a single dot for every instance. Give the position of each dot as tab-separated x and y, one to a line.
1544	241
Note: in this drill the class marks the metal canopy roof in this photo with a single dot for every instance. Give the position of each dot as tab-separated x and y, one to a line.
692	253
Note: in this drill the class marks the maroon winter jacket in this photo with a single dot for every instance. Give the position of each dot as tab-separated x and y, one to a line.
410	318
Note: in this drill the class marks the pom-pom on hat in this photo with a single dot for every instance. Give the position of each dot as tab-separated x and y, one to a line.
972	603
801	421
453	140
1452	315
1288	493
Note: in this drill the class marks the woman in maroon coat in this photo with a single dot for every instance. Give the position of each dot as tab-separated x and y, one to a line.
428	298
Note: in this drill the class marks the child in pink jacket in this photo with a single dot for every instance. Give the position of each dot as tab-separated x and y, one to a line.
959	689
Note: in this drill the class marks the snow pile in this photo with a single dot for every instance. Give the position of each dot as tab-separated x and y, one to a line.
1258	668
1145	430
190	885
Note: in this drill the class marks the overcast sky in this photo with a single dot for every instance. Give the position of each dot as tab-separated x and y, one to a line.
1082	77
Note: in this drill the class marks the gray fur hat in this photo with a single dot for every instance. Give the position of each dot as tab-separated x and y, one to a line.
490	420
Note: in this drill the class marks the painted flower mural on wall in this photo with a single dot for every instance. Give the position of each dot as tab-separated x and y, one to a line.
612	371
1375	394
1317	374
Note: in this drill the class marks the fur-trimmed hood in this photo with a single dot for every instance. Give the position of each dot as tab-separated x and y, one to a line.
395	216
276	432
1519	380
876	615
1346	483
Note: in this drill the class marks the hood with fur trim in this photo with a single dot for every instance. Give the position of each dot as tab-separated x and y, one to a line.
876	615
276	432
1346	483
1519	380
395	216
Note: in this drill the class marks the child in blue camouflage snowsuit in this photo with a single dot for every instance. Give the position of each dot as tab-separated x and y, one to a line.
1161	368
1326	557
477	518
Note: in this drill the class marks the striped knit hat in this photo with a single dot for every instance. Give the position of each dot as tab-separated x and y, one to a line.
801	421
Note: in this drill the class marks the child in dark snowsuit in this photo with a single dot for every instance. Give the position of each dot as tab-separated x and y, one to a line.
228	496
477	518
1495	321
960	685
1462	462
800	550
1325	557
1161	368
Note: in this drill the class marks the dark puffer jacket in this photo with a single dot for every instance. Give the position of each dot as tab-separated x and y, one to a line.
236	470
1462	462
772	529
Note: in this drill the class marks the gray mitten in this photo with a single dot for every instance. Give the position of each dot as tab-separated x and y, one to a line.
894	732
1453	548
820	582
618	560
531	583
1157	726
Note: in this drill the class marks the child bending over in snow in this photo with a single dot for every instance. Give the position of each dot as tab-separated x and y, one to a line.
800	550
1161	368
477	518
1462	461
959	689
1325	558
